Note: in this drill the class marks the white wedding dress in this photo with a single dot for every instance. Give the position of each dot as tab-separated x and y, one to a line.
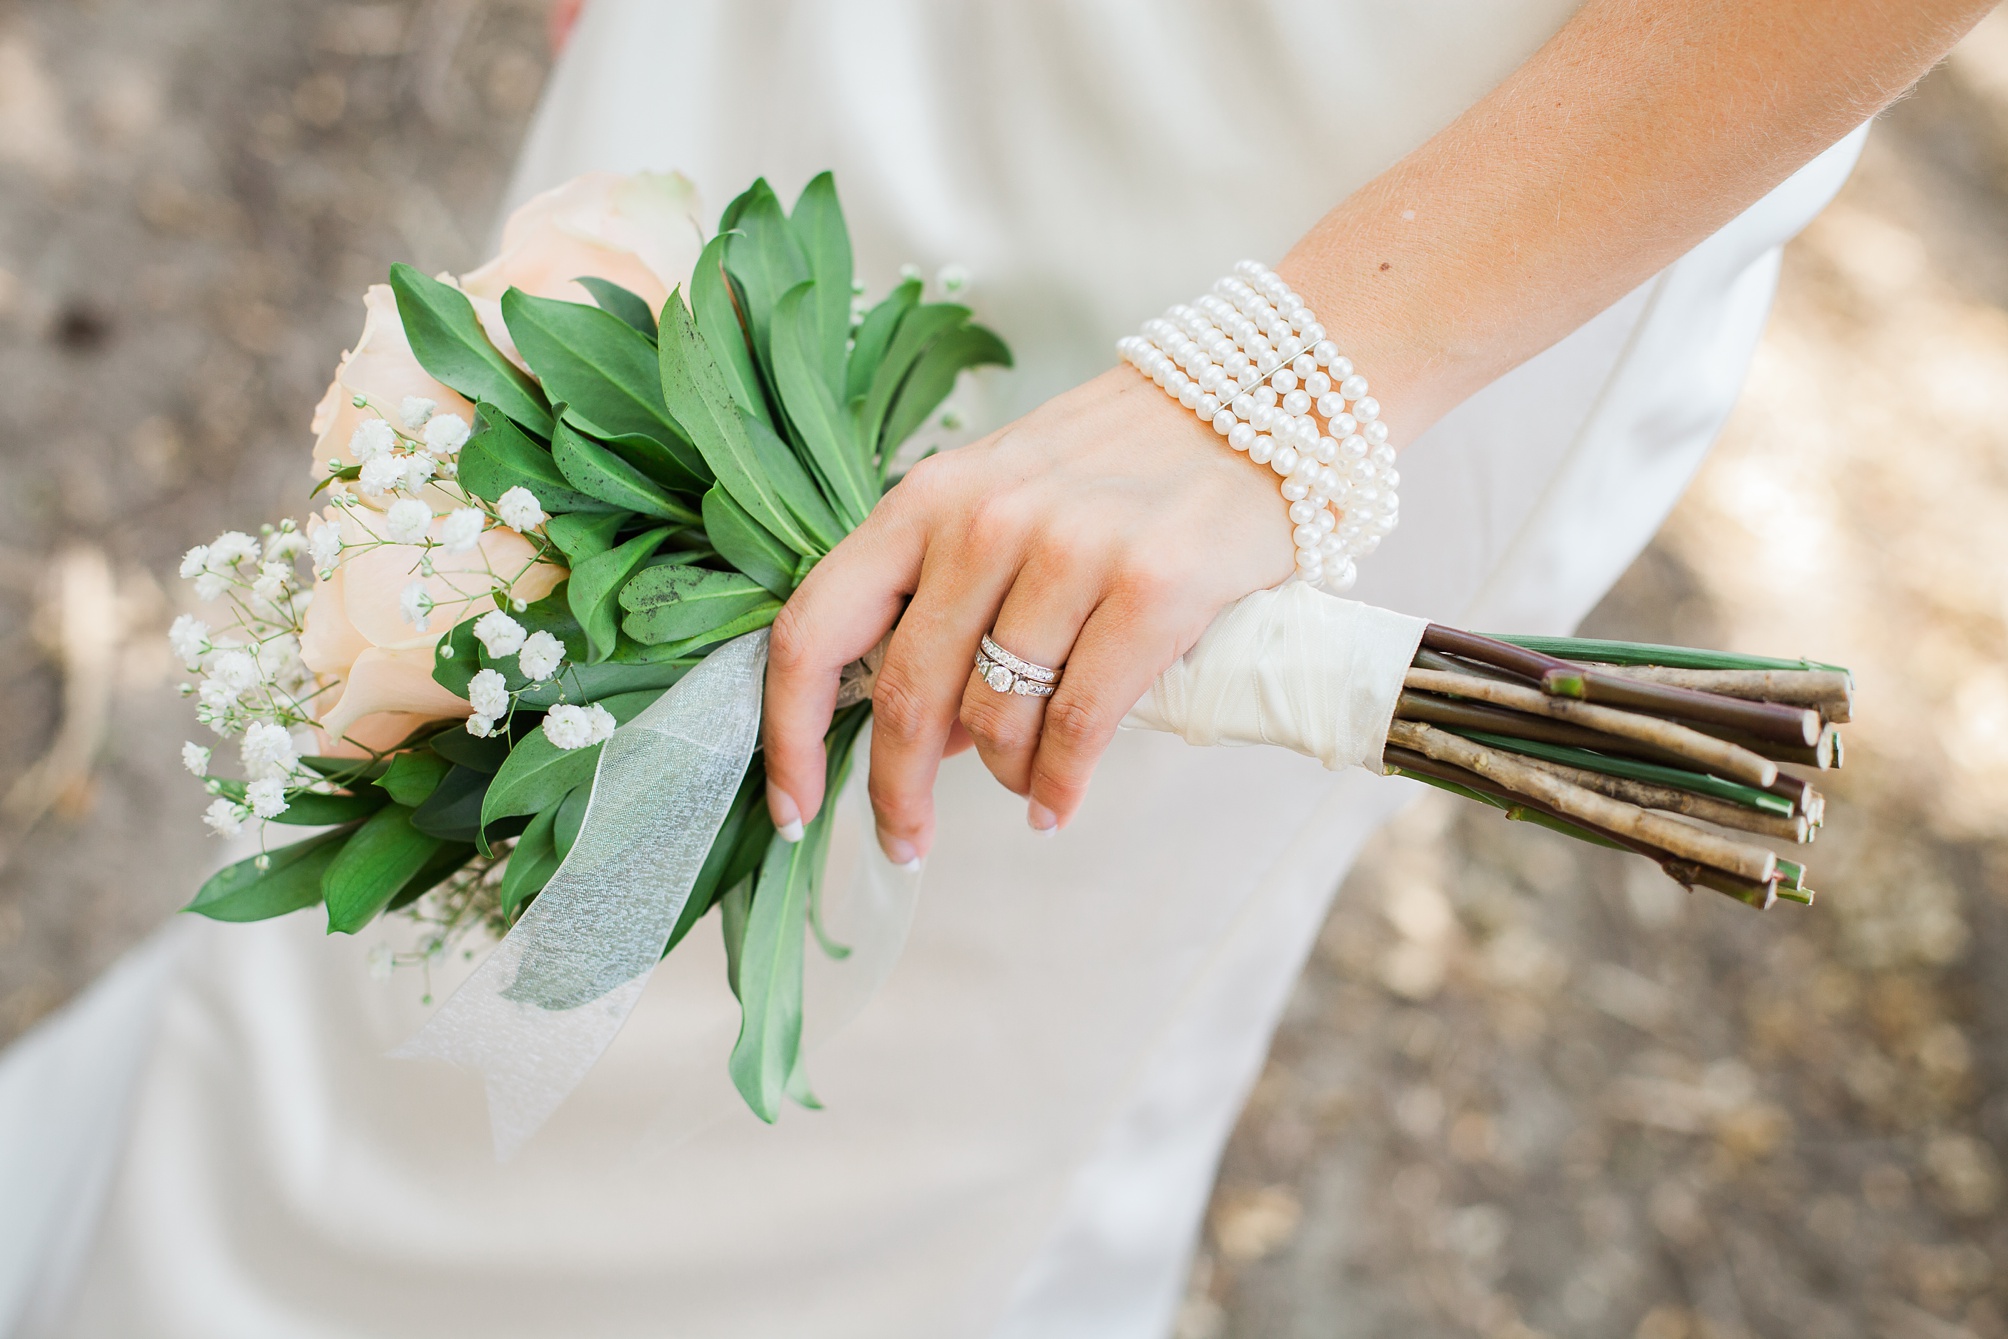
1021	1130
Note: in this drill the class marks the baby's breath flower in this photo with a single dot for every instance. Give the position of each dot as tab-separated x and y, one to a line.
575	727
462	530
382	961
380	474
499	634
372	439
415	410
540	657
480	726
268	751
445	434
274	580
488	692
407	520
189	636
224	817
520	510
286	545
231	549
267	798
195	561
415	603
324	545
952	278
418	468
235	670
209	587
195	758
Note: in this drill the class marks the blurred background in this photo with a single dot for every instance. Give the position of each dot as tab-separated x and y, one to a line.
1524	1088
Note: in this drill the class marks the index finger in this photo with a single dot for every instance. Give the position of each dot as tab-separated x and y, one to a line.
842	609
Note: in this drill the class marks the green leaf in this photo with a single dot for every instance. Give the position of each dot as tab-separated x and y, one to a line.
413	776
452	811
593	362
449	342
465	750
373	865
673	604
919	328
243	892
933	377
311	809
818	223
698	396
598	472
552	614
457	659
500	457
748	545
580	535
593	683
571	817
765	259
711	302
622	302
445	862
538	773
635	652
343	771
674	464
868	350
531	864
798	492
596	583
722	866
733	909
826	433
770	971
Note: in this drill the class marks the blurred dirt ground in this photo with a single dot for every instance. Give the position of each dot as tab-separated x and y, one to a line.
1524	1088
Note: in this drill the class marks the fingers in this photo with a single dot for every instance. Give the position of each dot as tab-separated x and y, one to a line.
1124	645
1055	592
843	609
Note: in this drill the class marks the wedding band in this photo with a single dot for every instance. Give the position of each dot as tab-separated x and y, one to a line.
1003	672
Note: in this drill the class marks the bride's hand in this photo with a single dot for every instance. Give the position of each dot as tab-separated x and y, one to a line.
1101	533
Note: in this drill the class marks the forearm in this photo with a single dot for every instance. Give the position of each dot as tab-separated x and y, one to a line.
1640	129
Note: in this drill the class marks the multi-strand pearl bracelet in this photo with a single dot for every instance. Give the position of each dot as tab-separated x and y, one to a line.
1251	359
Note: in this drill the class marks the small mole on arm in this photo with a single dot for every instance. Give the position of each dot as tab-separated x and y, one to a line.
1384	265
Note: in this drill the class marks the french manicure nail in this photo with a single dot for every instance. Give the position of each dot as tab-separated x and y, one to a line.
910	867
901	853
1043	820
787	815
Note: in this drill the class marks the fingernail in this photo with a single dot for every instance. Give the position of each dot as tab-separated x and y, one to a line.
1043	820
900	852
910	867
787	815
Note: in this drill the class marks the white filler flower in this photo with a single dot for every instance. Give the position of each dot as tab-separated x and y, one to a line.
462	530
407	520
415	410
372	438
519	509
324	546
488	691
499	634
267	798
381	474
195	758
480	726
541	655
446	434
571	727
224	817
415	603
268	750
189	636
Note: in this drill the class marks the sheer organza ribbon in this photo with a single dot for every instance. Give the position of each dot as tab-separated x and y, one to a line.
1289	667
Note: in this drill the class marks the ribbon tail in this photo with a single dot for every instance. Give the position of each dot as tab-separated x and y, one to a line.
550	998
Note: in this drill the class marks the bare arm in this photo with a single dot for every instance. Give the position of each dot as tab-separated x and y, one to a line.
1107	528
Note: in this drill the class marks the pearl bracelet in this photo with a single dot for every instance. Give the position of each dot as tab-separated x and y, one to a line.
1251	359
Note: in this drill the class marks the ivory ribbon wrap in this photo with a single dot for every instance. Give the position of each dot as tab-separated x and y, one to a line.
1292	667
1289	667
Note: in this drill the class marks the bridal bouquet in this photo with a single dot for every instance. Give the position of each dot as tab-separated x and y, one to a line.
541	512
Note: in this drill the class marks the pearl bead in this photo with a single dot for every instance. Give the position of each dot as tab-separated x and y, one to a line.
1353	447
1315	334
1247	378
1317	385
1375	432
1188	394
1243	405
1308	558
1306	535
1342	577
1323	520
1224	422
1284	381
1306	367
1329	481
1366	409
1304	512
1326	450
1241	437
1340	367
1296	402
1284	460
1261	449
1295	492
1353	387
1266	395
1391	480
1208	406
1324	351
1383	455
1343	425
1331	404
1263	418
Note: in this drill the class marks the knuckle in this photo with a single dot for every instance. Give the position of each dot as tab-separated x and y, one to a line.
996	523
789	645
998	728
1074	726
899	709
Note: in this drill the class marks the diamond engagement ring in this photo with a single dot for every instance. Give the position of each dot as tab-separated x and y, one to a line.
1006	673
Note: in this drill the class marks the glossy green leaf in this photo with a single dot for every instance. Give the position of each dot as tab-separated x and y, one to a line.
933	377
673	463
770	970
580	535
917	329
818	223
748	545
839	466
552	614
766	259
697	394
312	809
501	457
413	776
798	491
598	472
733	909
723	866
480	755
717	315
593	362
592	683
538	773
373	865
343	771
531	864
570	818
671	604
759	616
243	892
596	584
452	811
449	342
456	659
868	350
443	864
622	302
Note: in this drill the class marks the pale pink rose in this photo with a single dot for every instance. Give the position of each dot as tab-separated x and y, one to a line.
639	230
382	367
377	665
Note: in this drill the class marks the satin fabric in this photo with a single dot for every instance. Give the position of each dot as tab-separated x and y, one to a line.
1021	1130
